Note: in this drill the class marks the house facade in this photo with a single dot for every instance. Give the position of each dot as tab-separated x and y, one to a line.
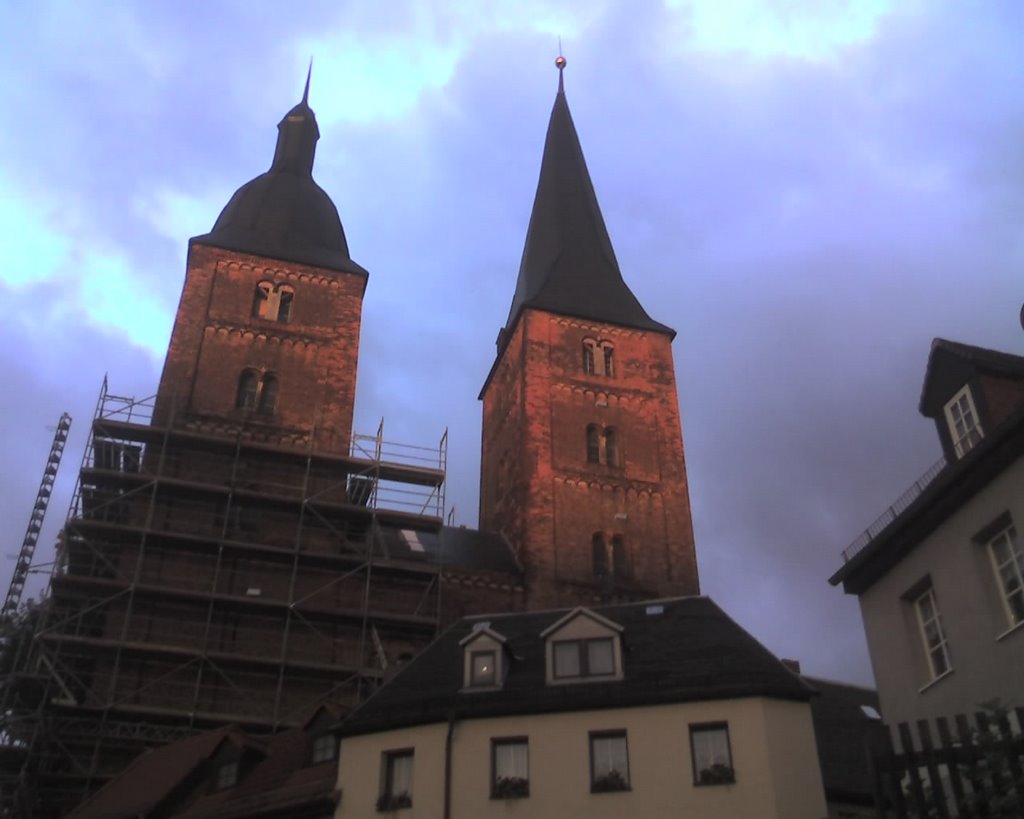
665	708
940	578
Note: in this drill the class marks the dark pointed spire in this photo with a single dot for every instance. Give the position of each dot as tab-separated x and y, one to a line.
297	135
305	92
568	263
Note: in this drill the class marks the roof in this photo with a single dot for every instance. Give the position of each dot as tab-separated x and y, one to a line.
452	547
173	780
283	214
690	650
958	482
568	265
951	364
153	777
840	729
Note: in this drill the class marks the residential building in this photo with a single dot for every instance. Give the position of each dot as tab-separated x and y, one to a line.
663	708
940	576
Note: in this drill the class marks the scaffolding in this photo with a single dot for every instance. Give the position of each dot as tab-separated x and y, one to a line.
213	576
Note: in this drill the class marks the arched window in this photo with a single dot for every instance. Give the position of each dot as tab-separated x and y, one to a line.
609	359
273	301
600	555
593	445
268	394
248	388
611	449
620	559
589	360
261	300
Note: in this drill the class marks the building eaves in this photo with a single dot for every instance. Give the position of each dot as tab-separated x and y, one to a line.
951	363
943	497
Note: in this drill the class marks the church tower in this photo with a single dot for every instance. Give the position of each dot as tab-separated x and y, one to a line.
267	330
582	461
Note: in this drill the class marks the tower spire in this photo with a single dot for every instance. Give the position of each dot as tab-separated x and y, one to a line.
568	264
305	93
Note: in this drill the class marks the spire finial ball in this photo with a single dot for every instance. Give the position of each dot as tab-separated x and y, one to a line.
560	62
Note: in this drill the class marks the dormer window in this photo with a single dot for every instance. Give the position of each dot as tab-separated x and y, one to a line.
584	658
583	646
482	666
483	663
962	417
227	775
325	748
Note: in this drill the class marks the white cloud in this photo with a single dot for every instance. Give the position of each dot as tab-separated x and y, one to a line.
33	251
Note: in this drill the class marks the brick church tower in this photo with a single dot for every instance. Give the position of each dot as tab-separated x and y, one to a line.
582	462
267	329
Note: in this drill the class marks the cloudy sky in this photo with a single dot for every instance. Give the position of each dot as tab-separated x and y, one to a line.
809	191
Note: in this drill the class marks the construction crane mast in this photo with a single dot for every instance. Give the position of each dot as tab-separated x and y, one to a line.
35	523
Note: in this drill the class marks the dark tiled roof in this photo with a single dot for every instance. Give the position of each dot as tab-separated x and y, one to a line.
568	265
690	651
951	364
840	728
283	214
451	547
153	777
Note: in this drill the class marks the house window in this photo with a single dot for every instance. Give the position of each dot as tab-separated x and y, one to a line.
932	635
482	668
396	780
711	754
227	775
600	555
248	388
1008	562
611	451
609	762
584	658
325	748
273	302
593	445
962	418
510	768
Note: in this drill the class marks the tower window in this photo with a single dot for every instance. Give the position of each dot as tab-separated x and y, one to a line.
268	394
273	301
598	358
600	555
593	445
611	452
248	388
962	418
620	558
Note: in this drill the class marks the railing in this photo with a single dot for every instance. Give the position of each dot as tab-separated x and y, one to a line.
882	522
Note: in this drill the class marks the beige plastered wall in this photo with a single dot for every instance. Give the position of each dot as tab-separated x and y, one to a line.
986	655
773	750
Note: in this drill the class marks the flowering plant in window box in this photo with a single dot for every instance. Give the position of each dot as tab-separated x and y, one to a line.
511	787
611	781
717	774
388	801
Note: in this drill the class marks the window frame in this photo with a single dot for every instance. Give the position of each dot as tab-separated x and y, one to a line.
475	681
247	394
962	409
707	776
268	391
1015	562
942	646
226	775
599	555
606	783
593	441
389	800
317	749
583	659
509	787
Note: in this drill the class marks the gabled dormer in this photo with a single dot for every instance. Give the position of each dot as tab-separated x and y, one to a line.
232	759
582	647
969	391
484	659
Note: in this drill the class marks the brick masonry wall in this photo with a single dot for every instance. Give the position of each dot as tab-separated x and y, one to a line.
314	354
538	487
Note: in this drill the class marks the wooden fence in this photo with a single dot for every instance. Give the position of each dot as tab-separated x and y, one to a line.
950	768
